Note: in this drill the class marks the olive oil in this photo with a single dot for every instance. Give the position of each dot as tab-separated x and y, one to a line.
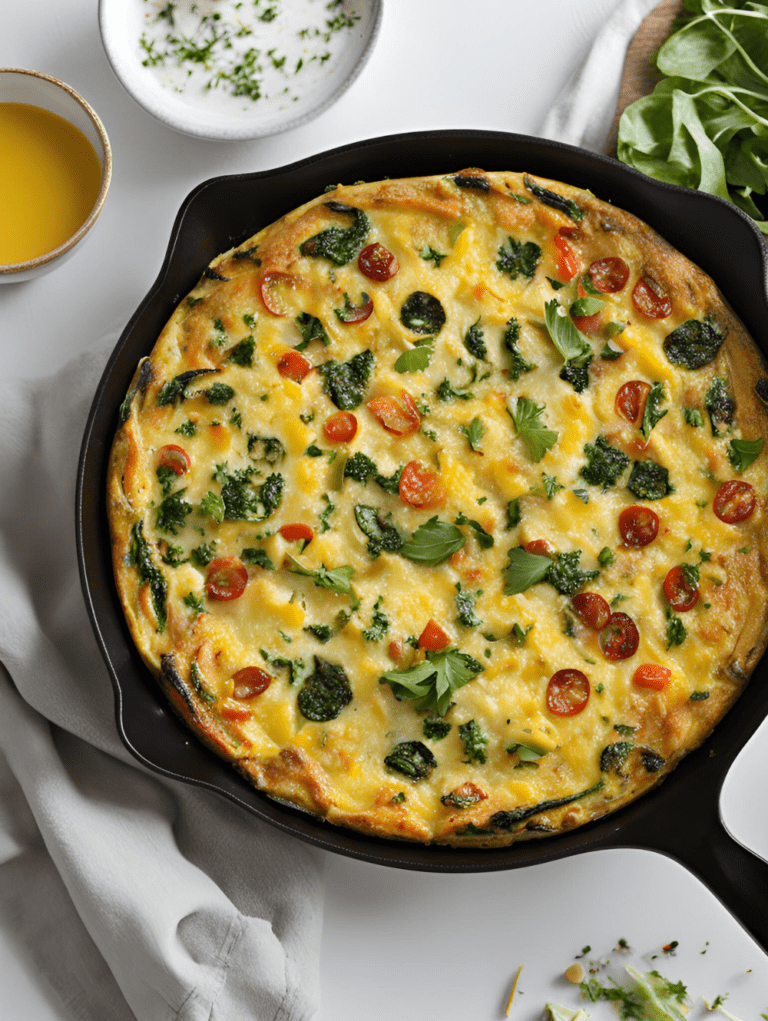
50	178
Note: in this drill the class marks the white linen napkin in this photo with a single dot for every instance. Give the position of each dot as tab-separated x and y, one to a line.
583	112
131	894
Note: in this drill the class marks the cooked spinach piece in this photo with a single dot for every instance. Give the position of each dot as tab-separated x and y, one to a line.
146	375
360	467
474	740
446	391
149	573
516	257
742	453
412	759
430	254
613	756
242	353
213	506
244	501
720	405
382	536
422	313
322	632
676	631
311	329
506	820
604	463
175	389
212	274
465	605
379	623
174	555
649	480
172	513
472	181
338	244
259	557
577	374
194	602
325	693
265	448
436	729
474	341
462	797
219	393
651	415
566	575
346	382
695	343
551	198
651	760
390	483
511	337
166	477
247	253
203	554
693	417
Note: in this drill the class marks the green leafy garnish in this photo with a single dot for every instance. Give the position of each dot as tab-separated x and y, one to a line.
474	432
676	632
432	683
212	505
417	358
259	557
219	393
382	536
433	542
379	623
172	513
526	415
242	353
570	342
744	452
347	382
465	606
695	343
551	198
474	341
649	480
525	569
338	244
484	539
720	405
150	574
429	254
325	693
652	415
446	391
242	500
693	417
422	313
338	579
411	758
518	257
311	329
587	306
511	337
604	463
475	741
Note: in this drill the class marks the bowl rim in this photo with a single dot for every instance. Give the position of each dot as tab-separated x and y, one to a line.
106	176
247	132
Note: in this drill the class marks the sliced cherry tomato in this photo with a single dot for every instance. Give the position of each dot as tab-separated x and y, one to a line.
588	324
567	692
652	675
395	651
680	593
340	427
567	263
630	400
377	263
173	457
296	531
399	419
421	487
268	289
735	501
353	314
227	578
433	638
591	609
539	548
638	526
250	682
650	300
293	365
619	638
609	275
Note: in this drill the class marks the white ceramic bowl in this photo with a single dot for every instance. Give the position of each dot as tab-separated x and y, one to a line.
37	89
182	104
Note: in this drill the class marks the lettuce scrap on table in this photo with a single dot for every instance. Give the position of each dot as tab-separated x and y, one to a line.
705	126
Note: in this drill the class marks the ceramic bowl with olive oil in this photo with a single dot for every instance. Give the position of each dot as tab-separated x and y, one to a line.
55	169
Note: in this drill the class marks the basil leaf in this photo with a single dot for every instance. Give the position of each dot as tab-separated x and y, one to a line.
417	358
588	306
651	415
433	542
744	452
571	344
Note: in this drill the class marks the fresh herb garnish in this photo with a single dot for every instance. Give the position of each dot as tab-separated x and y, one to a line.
433	542
517	257
743	453
432	683
511	337
475	741
652	415
339	244
474	432
526	415
347	382
311	329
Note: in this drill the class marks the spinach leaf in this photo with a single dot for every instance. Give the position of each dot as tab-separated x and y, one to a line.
551	198
338	244
379	623
505	820
430	254
175	389
719	404
484	539
347	382
472	181
417	358
695	343
604	463
265	448
149	573
311	329
744	452
433	542
649	480
432	683
411	758
436	729
245	502
422	313
382	536
526	415
652	415
259	557
242	353
325	693
511	337
172	513
446	391
517	257
219	393
474	341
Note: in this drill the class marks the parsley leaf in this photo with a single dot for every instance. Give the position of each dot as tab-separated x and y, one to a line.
433	542
379	623
431	684
429	254
474	433
338	579
511	337
525	569
525	415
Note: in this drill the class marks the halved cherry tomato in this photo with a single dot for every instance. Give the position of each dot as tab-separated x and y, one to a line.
567	692
567	263
652	675
250	682
619	638
591	609
539	548
421	487
227	578
295	531
341	427
433	638
649	300
399	419
609	275
173	457
353	314
680	594
395	651
268	290
735	501
630	400
588	324
293	365
377	262
638	526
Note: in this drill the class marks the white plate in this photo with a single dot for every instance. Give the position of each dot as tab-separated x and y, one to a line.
185	104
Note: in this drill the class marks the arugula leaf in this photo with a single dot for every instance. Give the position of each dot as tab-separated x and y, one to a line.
433	542
526	415
744	452
417	358
651	415
570	342
432	683
474	433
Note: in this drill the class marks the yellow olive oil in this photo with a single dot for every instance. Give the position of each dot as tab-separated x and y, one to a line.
50	177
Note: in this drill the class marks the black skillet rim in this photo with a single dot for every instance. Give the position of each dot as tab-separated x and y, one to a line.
151	732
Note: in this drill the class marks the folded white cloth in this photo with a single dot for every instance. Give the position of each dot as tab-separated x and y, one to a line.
583	112
132	894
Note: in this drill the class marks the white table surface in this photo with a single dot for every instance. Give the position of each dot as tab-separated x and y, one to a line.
396	944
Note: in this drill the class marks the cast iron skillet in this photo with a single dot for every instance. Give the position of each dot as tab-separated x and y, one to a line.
681	817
